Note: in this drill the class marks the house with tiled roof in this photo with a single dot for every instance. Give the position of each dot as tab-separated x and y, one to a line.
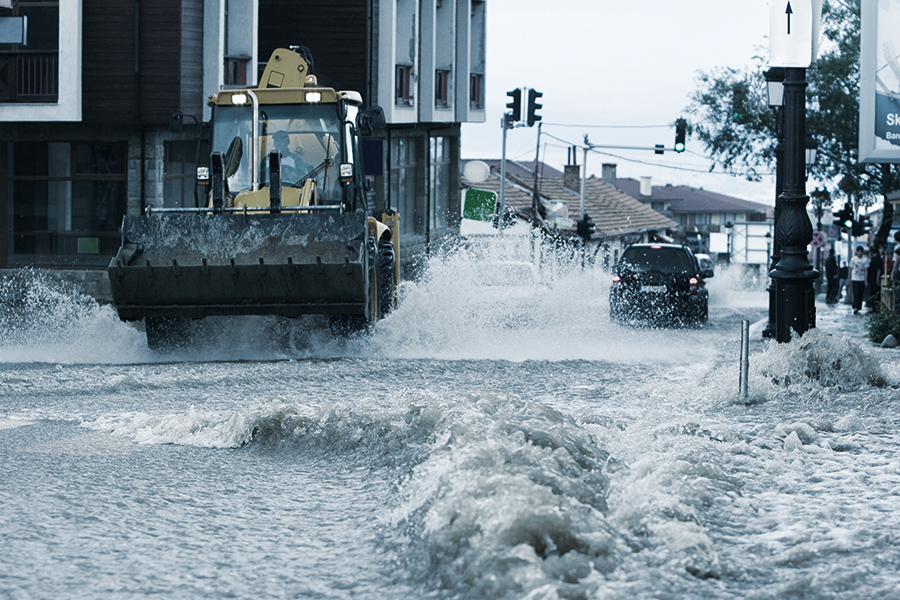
697	211
619	219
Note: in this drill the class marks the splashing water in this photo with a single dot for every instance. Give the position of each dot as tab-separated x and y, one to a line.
43	319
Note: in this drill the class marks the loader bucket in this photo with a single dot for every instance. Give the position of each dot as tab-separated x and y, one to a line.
197	264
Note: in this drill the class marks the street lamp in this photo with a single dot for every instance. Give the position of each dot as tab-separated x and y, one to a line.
775	86
812	148
793	274
775	95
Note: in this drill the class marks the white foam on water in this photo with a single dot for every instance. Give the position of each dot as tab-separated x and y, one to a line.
44	320
11	423
455	309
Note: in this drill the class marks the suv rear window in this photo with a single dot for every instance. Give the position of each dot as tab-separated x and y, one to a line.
663	260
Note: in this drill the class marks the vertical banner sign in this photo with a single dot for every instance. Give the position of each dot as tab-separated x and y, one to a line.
879	82
794	27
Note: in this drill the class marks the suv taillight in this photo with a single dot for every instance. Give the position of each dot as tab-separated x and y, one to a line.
695	284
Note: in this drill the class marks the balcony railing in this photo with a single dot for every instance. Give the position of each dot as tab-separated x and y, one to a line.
29	77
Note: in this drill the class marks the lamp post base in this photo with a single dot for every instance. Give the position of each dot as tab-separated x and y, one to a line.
795	295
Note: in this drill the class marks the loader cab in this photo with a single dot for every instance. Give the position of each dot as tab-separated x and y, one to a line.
316	141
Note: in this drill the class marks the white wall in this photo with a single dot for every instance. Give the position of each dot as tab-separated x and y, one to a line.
68	107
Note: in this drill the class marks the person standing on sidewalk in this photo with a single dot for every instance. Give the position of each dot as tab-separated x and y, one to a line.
831	277
859	264
895	278
873	277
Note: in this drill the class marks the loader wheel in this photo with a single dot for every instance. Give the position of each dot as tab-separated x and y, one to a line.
167	333
347	325
385	267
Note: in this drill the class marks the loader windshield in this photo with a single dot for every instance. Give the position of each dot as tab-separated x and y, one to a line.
307	136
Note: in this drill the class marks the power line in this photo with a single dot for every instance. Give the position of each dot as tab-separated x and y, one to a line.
643	162
667	126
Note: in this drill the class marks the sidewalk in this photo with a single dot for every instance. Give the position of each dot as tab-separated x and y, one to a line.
838	319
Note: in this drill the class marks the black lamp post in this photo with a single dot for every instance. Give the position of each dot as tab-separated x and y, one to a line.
793	275
775	94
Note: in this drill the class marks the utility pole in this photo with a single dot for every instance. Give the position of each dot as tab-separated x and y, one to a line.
505	125
535	195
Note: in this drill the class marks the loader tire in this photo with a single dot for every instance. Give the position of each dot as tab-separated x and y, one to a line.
385	266
167	333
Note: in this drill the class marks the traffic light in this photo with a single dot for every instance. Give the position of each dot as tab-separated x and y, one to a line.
844	217
585	228
533	106
861	226
680	134
739	93
515	105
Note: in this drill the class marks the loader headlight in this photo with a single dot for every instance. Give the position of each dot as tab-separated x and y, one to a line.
313	97
202	175
346	171
239	98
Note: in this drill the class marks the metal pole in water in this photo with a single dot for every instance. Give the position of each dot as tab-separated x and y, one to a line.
745	357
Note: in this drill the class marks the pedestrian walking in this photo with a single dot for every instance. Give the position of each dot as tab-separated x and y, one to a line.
858	267
831	277
843	273
895	277
873	277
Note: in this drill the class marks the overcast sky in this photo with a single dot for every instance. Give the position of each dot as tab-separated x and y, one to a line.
620	71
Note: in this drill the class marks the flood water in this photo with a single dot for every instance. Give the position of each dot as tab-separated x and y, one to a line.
461	450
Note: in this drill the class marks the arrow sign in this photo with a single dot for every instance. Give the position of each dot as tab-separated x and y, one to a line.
794	32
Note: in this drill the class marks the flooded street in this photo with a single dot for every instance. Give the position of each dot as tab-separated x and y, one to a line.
458	451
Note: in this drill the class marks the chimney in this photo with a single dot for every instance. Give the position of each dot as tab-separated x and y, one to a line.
609	174
572	177
646	187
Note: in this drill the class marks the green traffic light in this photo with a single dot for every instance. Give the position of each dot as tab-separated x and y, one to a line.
680	134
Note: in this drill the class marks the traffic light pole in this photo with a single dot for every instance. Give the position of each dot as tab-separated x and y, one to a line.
505	125
794	275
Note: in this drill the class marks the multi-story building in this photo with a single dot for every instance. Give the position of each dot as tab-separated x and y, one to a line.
101	107
423	62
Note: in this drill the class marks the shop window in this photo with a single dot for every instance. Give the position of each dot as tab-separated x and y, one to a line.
439	183
66	202
404	185
180	174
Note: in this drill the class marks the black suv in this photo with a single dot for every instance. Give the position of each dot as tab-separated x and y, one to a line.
659	283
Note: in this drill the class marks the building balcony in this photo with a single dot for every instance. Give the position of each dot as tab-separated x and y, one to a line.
29	77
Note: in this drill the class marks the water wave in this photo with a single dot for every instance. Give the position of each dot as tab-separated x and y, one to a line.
496	496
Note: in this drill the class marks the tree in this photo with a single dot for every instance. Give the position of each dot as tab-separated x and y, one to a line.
745	146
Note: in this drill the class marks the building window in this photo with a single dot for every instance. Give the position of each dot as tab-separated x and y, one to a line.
702	219
30	73
403	86
442	88
236	70
476	90
439	183
405	185
65	202
180	174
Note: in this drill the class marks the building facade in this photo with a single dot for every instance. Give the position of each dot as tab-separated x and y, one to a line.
102	107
